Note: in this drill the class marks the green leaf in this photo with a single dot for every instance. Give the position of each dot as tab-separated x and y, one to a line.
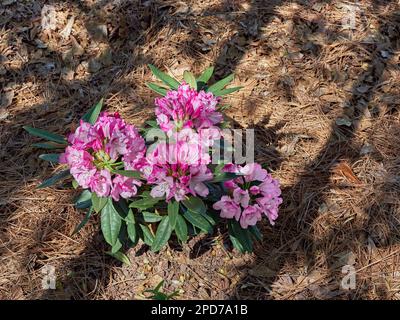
152	123
110	223
190	79
224	176
256	233
49	182
129	173
163	234
151	217
98	202
206	75
240	237
181	229
51	157
198	221
148	237
132	234
209	218
121	257
144	203
45	135
168	80
173	212
83	222
224	92
130	217
75	184
115	248
220	84
156	88
94	112
195	205
84	200
48	145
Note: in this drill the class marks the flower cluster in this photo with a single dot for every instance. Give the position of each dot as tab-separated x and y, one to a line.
177	169
187	108
97	150
250	195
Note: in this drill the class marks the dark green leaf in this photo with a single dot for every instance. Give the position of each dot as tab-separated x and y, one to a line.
148	237
49	182
156	88
144	203
220	84
110	223
94	112
238	234
209	218
256	233
206	75
129	173
84	200
224	92
181	229
46	135
121	257
83	222
190	79
173	212
98	202
163	234
224	176
198	221
48	145
151	217
195	205
51	157
168	80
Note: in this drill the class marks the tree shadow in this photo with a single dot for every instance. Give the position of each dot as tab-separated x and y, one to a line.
306	201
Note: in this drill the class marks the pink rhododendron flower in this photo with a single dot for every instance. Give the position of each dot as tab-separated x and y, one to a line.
187	108
124	187
96	150
229	208
250	216
176	170
254	191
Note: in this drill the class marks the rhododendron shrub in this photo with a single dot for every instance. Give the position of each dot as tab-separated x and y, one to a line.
170	188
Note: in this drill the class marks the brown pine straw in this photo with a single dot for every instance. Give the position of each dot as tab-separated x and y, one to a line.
323	101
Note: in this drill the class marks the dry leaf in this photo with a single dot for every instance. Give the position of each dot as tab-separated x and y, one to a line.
49	19
68	28
345	170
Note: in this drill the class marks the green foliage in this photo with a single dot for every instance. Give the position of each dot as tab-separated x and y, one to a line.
84	200
54	179
46	135
110	223
168	80
94	112
159	295
163	234
84	221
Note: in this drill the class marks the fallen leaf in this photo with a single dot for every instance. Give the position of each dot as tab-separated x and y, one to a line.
343	122
65	33
49	19
344	169
6	98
